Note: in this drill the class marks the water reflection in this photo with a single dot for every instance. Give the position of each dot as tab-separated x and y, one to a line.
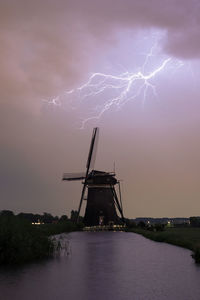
107	265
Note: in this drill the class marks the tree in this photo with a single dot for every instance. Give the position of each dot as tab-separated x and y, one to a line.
195	221
47	218
74	215
7	213
141	224
63	218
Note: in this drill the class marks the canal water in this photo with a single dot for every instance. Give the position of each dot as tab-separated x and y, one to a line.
106	265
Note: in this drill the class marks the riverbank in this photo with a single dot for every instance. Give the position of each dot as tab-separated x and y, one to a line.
22	242
184	237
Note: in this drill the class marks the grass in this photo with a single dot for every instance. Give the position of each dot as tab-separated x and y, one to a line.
184	237
22	242
66	226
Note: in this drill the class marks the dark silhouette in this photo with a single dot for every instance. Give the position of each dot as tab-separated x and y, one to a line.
26	236
195	221
6	213
102	199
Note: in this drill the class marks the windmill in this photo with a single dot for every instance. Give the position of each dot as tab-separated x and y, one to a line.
102	199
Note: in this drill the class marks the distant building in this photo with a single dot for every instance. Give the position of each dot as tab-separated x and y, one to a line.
153	221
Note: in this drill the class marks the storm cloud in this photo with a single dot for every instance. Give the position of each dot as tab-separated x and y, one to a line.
48	47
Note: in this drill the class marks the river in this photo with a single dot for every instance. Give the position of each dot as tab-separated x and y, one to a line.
106	265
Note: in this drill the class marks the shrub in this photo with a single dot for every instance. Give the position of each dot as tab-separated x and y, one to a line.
196	255
21	242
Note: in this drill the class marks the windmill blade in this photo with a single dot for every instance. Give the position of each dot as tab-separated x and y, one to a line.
93	149
81	201
117	202
94	153
91	159
120	195
73	176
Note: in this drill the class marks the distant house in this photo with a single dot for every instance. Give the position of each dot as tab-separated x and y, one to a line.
172	221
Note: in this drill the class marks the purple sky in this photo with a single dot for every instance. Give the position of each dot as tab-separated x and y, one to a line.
50	47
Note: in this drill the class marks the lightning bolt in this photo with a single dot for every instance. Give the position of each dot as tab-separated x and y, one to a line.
128	85
121	88
55	101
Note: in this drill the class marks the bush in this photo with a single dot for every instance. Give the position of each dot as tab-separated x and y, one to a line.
21	242
196	255
60	227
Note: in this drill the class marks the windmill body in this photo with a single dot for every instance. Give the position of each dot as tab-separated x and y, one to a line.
102	199
100	208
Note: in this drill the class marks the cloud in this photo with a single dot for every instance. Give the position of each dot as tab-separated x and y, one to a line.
47	46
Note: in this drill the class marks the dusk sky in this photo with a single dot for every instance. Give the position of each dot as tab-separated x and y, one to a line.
145	99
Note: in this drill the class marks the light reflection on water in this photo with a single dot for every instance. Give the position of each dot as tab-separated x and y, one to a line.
110	266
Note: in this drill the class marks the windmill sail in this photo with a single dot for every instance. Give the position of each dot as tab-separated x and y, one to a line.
91	159
73	176
93	149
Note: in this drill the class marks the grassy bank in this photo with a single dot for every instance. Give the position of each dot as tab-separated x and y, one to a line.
21	242
184	237
66	226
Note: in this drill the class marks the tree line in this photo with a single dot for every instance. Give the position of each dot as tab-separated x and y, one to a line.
21	241
45	218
